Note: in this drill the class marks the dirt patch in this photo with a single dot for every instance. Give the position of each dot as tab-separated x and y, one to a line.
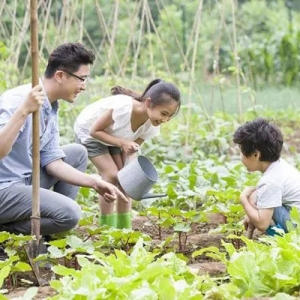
197	239
212	268
43	293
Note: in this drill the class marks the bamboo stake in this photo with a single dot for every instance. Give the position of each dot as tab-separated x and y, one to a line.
192	71
174	32
111	49
160	43
151	56
107	36
133	17
46	19
140	37
21	37
237	62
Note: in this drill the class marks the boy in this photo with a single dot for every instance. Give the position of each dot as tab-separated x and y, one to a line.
278	190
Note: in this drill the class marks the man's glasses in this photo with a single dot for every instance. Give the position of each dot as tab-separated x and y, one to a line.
83	79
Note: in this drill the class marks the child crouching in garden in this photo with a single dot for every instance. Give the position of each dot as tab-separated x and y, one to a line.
112	129
269	203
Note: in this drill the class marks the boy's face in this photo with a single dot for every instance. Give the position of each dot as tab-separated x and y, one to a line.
252	162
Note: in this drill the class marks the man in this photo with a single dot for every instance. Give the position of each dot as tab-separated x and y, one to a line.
62	168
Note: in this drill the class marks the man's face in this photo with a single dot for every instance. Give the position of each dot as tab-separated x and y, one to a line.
74	83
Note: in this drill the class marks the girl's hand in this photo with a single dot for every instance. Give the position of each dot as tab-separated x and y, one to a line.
130	147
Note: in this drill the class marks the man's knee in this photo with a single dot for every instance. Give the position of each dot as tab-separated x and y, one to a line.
76	150
77	156
72	216
80	151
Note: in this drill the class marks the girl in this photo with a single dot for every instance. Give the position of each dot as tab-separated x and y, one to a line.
113	128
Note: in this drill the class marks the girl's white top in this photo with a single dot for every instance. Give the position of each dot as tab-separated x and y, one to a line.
121	114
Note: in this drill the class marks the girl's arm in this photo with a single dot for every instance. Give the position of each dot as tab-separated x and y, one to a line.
140	141
98	132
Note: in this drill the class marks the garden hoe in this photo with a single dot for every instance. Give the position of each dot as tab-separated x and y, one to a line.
33	248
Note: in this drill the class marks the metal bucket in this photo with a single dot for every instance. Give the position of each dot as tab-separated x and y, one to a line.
137	178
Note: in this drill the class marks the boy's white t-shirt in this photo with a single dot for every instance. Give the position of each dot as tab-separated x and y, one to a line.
279	185
122	110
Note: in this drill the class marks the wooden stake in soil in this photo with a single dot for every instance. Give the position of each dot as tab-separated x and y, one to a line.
33	249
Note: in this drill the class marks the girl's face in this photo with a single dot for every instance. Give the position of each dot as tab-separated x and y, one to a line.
159	114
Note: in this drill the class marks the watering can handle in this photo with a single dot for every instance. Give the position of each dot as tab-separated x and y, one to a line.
139	152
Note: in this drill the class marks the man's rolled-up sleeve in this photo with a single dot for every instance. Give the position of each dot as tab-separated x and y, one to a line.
50	148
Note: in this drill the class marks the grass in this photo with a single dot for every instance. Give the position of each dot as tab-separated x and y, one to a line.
270	98
209	95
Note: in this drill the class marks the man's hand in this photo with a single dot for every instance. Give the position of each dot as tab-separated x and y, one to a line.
108	191
34	100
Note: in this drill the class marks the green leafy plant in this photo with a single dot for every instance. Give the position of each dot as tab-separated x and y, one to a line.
134	276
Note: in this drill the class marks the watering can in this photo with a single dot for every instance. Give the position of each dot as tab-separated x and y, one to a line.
137	178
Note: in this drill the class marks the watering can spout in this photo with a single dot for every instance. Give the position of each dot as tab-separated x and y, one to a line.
150	195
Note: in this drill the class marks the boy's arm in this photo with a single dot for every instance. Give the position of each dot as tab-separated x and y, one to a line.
260	218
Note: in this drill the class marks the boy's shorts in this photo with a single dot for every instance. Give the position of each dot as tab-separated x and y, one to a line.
96	148
281	215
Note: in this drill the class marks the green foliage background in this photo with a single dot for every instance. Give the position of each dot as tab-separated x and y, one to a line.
232	60
136	40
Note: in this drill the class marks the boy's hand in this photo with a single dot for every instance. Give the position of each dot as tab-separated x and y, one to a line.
249	227
247	223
